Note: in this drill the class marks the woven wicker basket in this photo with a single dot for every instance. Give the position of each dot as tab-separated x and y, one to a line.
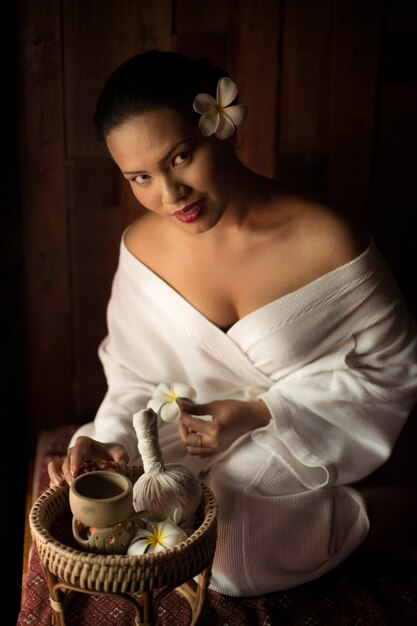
121	573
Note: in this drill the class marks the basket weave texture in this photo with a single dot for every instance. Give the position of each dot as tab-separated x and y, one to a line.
121	573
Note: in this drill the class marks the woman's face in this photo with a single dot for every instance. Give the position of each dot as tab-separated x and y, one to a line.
173	169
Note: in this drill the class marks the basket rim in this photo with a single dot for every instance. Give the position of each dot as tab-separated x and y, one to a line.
41	534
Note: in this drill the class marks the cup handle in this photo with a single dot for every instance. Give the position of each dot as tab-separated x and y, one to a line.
76	533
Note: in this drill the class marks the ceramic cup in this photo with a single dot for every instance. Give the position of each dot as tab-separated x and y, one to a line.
101	503
108	540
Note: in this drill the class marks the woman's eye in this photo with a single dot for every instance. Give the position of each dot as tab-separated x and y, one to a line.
141	178
182	157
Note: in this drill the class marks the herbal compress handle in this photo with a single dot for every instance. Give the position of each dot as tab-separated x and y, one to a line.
146	427
168	491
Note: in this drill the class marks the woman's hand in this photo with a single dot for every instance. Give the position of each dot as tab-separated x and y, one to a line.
231	419
85	450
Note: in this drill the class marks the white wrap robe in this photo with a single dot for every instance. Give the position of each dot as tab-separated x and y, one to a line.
335	362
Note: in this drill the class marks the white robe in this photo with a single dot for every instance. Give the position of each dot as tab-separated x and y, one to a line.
335	362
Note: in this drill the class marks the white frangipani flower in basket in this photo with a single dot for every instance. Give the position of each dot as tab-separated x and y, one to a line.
166	400
217	114
157	536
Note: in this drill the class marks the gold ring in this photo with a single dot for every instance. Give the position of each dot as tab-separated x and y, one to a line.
200	441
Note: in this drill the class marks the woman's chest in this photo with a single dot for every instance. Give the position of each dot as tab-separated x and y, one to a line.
228	286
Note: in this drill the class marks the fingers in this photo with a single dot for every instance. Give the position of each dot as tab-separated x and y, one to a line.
183	430
56	476
196	409
197	424
119	455
198	443
60	473
84	451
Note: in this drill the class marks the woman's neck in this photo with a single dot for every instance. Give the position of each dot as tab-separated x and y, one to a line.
250	195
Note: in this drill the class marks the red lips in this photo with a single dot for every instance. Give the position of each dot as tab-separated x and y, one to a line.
190	213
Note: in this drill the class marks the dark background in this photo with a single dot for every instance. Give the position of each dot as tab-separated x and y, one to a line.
331	89
13	406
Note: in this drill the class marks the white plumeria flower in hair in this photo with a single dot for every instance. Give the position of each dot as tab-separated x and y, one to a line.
166	400
217	116
157	536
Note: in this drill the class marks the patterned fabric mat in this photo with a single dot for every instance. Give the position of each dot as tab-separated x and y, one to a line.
359	592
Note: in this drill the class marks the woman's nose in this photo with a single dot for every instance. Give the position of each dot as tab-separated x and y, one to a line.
172	191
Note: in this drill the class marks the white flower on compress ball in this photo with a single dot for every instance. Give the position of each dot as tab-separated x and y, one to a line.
157	536
166	400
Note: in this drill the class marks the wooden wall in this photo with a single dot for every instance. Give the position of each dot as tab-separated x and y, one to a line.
310	72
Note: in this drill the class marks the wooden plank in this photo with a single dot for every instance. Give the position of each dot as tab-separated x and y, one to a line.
253	64
200	29
213	46
356	36
94	260
92	200
98	35
304	107
394	184
47	300
304	94
91	183
200	16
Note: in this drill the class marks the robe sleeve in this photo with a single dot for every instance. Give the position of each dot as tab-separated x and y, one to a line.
336	419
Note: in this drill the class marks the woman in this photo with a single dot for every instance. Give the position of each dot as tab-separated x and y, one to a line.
279	313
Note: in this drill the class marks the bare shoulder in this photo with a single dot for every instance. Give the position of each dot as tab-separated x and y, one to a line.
331	239
140	238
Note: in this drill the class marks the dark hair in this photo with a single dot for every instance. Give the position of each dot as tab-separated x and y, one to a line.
152	80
